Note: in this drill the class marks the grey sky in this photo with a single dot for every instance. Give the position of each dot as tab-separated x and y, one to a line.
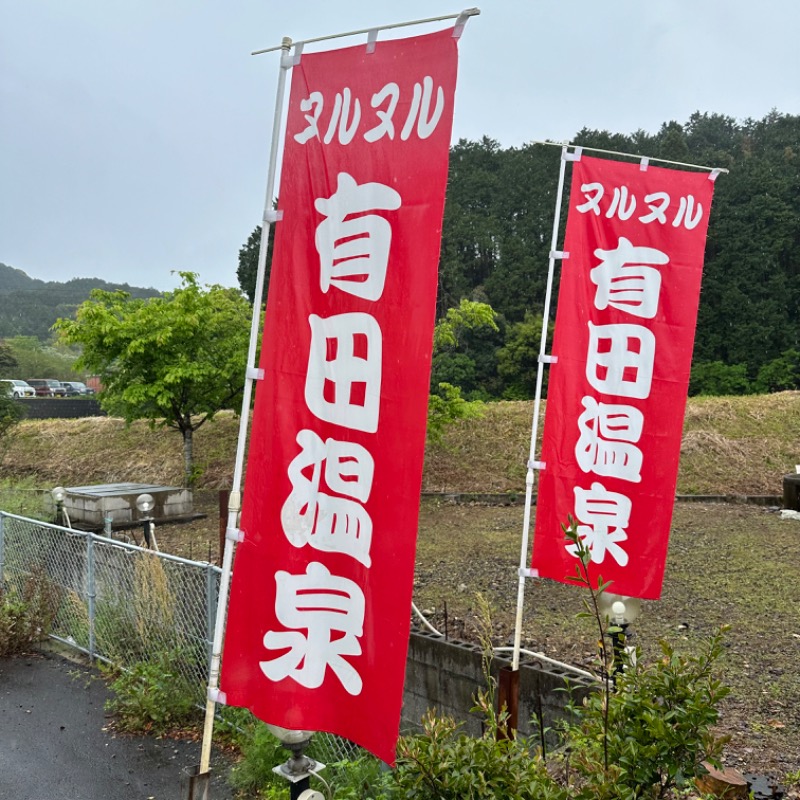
134	136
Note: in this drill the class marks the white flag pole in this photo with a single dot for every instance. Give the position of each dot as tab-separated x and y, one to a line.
555	255
235	502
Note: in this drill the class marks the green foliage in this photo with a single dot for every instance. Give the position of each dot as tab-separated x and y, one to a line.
780	374
8	364
174	360
518	359
716	378
261	751
443	763
658	725
447	407
24	498
153	696
10	414
642	736
26	613
36	359
247	271
465	341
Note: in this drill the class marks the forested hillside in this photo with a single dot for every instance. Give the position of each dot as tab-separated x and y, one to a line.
29	307
497	230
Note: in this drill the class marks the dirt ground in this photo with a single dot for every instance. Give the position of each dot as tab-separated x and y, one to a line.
728	564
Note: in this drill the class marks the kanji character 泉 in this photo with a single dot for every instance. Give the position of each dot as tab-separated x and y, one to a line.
605	516
314	606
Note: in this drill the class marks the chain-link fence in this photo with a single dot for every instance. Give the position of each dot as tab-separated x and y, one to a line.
118	602
124	604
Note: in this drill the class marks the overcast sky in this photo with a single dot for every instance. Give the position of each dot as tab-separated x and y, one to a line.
134	136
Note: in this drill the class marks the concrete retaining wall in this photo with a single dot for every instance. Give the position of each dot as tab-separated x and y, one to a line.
60	407
446	675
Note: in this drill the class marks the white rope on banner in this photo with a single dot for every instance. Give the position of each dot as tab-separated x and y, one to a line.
251	373
461	19
543	359
643	159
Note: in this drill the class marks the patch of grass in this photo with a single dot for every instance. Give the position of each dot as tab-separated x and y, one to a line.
22	497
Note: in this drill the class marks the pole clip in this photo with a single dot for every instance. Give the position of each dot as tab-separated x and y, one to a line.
216	696
234	535
254	374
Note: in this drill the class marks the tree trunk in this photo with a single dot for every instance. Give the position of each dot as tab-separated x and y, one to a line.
188	460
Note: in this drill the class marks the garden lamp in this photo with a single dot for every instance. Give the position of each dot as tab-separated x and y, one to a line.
59	495
145	504
620	611
299	768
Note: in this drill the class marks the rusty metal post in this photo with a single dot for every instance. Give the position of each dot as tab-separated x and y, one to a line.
508	698
195	785
224	497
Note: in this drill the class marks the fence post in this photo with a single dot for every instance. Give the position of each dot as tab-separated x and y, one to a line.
211	611
2	554
90	590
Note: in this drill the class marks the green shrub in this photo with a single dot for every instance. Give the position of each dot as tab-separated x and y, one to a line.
153	696
27	613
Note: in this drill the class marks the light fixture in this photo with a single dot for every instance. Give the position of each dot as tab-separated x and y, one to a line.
145	503
620	611
299	768
59	495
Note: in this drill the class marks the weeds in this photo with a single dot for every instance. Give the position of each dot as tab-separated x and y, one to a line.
153	696
27	613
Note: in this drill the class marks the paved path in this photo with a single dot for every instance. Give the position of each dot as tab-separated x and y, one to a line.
53	745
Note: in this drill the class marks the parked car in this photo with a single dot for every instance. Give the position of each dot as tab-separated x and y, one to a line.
17	388
76	388
47	387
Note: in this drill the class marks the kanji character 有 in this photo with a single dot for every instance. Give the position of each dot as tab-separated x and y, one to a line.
625	282
354	246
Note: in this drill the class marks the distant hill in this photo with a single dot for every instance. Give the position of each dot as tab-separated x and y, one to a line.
29	307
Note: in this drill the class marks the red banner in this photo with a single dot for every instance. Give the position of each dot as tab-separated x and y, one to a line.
320	603
627	308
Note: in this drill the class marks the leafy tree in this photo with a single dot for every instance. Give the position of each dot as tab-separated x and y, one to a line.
780	374
9	414
174	360
464	344
247	271
7	361
717	378
36	359
518	359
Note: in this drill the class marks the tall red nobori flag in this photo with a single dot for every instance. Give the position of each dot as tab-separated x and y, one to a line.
317	632
627	308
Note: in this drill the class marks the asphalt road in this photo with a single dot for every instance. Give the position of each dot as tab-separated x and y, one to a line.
53	743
